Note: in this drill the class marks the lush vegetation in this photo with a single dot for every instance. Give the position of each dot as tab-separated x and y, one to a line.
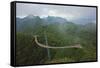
58	34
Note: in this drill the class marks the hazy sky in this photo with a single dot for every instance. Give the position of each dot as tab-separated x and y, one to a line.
71	13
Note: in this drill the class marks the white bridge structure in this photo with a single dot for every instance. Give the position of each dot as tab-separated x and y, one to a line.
54	47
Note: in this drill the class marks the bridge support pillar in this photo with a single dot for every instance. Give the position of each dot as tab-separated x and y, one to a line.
46	42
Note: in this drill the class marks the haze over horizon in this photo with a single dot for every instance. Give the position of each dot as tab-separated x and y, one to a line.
71	13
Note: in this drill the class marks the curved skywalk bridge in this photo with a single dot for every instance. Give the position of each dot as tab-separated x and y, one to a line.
53	47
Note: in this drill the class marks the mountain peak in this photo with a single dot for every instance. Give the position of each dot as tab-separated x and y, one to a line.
55	19
30	16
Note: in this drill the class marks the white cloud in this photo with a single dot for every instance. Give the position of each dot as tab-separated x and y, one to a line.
71	13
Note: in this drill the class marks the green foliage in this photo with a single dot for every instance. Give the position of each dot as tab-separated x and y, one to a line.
62	34
27	51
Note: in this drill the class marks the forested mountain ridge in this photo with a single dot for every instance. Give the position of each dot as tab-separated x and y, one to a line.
59	32
31	21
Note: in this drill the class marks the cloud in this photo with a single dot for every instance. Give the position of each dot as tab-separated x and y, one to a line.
71	13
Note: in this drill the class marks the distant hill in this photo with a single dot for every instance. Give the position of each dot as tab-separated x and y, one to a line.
52	19
31	23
